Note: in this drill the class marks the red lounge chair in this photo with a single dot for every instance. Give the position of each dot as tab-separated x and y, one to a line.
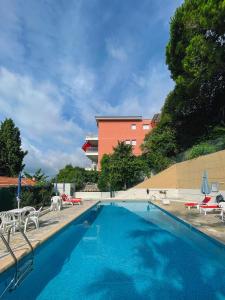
68	199
205	201
206	208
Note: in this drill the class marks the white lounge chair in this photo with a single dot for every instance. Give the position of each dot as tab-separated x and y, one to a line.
33	217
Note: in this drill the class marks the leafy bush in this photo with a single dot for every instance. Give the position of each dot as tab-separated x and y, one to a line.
7	198
77	175
36	196
157	162
200	149
121	169
159	146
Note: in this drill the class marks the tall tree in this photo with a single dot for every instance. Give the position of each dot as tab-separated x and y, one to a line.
38	176
196	58
76	175
11	153
72	174
195	55
121	169
104	183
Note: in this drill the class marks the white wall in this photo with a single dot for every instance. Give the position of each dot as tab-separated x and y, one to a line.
69	188
141	194
92	195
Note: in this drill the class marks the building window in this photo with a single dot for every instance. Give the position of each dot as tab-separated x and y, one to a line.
133	143
146	127
127	142
133	126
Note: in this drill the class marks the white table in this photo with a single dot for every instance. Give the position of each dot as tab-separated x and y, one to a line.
19	213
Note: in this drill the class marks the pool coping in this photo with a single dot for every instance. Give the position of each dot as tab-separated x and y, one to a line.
7	262
214	240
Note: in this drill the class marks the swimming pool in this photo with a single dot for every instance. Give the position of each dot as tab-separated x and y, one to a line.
125	250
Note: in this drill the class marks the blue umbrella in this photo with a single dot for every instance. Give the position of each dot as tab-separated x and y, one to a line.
19	190
56	187
205	188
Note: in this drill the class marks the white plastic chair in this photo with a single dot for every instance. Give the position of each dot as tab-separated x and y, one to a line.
33	217
222	206
24	214
56	203
7	221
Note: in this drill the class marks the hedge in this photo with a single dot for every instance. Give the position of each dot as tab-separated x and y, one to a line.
35	196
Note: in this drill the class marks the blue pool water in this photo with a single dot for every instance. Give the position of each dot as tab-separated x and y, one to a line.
125	251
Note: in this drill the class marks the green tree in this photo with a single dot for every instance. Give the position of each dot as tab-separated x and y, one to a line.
11	153
159	145
91	176
72	174
121	169
104	176
195	55
196	58
38	176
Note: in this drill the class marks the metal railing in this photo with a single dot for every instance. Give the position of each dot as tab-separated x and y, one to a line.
92	150
91	136
20	274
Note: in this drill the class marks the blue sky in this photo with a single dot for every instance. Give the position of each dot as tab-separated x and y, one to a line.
64	61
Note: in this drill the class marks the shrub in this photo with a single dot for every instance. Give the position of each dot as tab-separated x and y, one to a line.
200	149
36	196
7	198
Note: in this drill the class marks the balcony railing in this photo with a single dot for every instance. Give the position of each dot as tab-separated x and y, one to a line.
92	150
91	136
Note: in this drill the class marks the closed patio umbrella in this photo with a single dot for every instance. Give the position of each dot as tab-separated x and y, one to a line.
18	190
56	187
205	188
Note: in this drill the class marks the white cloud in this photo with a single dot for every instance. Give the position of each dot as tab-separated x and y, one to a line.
58	74
37	110
115	51
52	160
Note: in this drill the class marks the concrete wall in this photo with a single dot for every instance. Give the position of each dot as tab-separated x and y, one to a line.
68	188
181	181
92	195
188	174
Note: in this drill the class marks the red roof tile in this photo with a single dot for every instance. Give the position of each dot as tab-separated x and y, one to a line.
13	181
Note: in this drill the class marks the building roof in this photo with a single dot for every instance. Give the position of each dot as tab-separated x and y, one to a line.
13	181
105	118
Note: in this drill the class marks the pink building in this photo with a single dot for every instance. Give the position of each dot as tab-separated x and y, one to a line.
130	129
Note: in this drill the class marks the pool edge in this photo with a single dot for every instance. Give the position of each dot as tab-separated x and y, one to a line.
189	225
10	263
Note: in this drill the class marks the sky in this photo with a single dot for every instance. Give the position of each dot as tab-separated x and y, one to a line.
62	62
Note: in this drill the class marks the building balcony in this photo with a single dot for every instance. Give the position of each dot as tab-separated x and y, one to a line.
91	137
92	154
93	150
